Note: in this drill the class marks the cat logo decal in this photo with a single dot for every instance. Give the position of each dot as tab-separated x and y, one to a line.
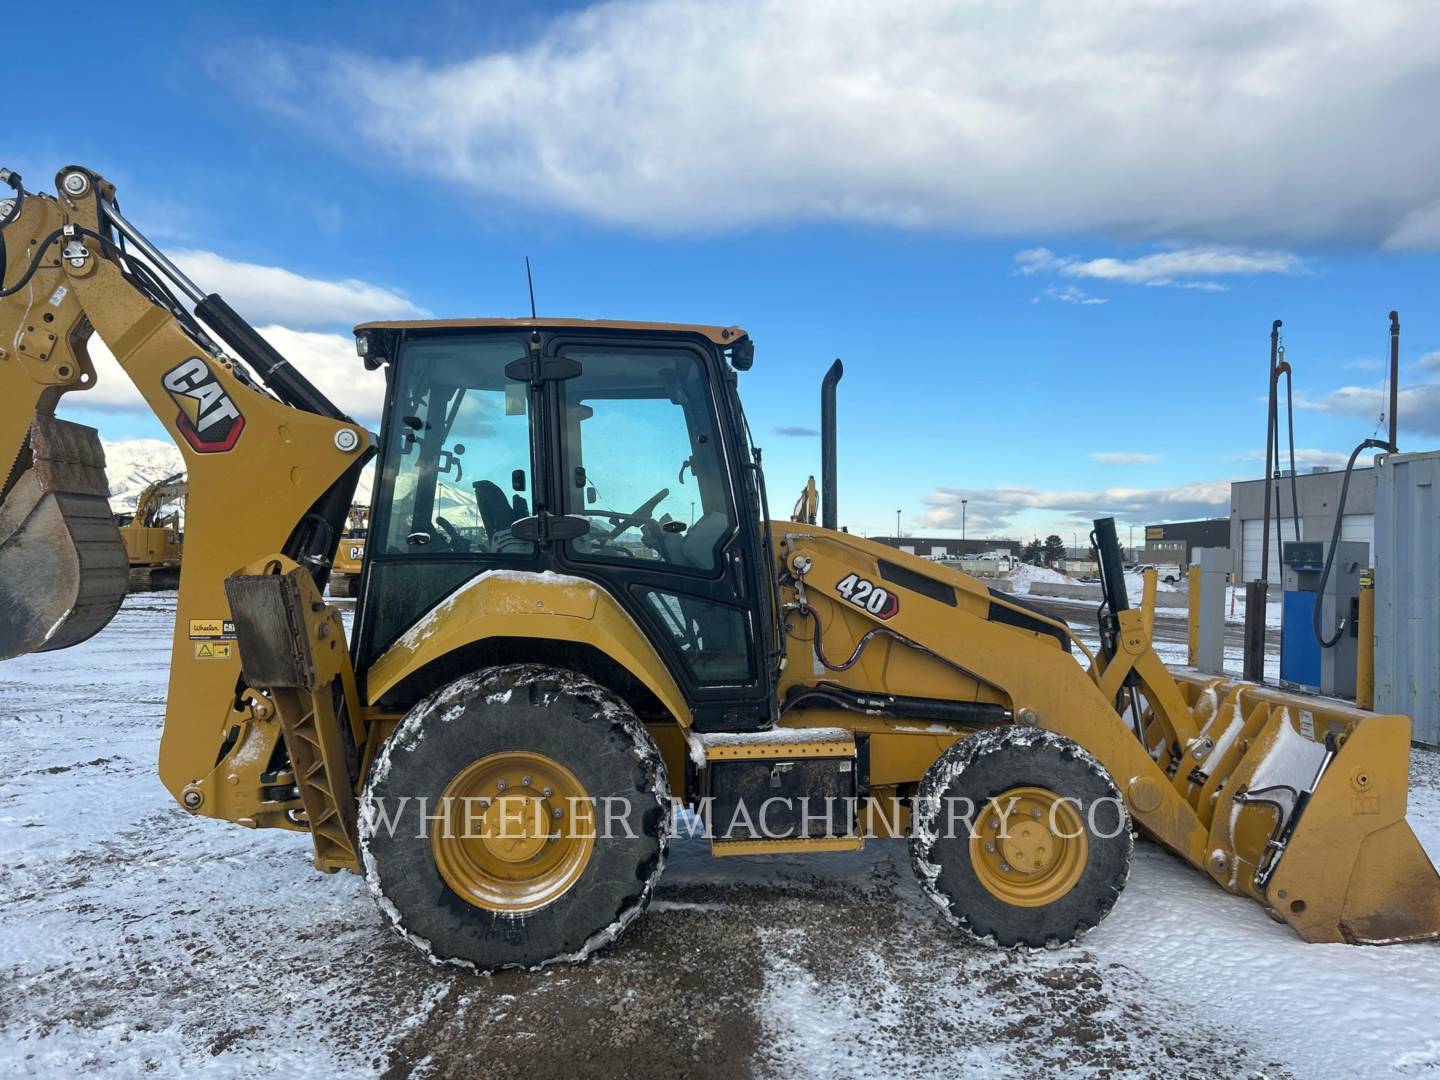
208	420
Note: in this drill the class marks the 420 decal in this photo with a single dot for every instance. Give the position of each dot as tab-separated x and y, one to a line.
868	596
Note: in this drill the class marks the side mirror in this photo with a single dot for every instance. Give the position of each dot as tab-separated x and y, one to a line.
517	480
590	496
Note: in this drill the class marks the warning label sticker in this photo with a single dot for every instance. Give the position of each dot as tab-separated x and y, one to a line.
212	628
213	650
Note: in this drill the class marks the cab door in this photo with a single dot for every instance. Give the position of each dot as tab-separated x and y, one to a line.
646	460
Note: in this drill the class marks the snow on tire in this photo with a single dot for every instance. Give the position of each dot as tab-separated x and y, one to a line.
583	731
980	893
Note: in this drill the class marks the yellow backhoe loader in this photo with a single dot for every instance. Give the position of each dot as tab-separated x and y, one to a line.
576	615
153	535
350	552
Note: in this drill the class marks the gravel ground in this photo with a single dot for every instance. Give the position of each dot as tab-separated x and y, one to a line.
135	939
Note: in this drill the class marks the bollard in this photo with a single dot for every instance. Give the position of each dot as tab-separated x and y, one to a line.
1255	599
1193	578
1209	575
1365	646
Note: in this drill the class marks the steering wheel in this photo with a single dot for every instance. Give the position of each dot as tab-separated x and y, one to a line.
455	540
640	514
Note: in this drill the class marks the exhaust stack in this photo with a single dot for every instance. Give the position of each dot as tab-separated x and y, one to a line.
829	513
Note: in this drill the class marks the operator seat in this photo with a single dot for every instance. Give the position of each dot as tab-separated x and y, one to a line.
698	544
497	513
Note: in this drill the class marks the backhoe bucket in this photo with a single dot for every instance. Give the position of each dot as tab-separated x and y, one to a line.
62	564
1305	800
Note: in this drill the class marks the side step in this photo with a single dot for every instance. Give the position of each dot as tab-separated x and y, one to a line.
63	567
781	791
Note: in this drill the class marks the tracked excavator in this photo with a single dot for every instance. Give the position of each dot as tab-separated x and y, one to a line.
153	535
578	631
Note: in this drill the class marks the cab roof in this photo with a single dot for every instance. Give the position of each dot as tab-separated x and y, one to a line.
720	335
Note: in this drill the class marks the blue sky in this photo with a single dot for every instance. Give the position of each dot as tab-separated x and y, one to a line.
1047	241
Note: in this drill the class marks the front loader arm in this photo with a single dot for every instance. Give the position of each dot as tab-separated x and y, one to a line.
1297	802
265	476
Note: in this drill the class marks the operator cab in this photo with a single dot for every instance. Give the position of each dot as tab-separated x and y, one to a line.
616	452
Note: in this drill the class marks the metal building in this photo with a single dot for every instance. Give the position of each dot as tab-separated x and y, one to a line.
1407	591
1319	493
1175	540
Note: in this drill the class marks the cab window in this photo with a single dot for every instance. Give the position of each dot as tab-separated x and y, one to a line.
459	466
642	458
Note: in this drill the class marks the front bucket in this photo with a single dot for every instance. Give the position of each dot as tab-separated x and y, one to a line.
62	563
1305	800
1353	870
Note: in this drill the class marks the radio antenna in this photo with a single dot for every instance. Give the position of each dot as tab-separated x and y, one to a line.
530	280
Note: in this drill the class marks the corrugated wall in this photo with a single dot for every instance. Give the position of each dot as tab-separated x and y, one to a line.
1407	591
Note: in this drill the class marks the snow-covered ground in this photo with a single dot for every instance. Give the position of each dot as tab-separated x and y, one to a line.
136	939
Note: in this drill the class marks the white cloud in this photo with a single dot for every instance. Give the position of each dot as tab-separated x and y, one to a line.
1303	457
1163	267
327	360
1430	362
271	294
1228	122
1419	231
995	509
1068	294
1419	406
1124	457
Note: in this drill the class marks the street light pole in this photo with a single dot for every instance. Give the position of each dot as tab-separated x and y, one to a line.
1132	541
897	524
962	522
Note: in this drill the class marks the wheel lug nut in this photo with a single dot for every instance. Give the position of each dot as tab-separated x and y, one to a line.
555	813
990	847
502	784
525	780
547	791
1005	866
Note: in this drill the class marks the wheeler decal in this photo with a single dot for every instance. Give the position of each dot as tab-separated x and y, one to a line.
866	595
209	420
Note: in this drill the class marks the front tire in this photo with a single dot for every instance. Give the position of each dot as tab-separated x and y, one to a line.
1045	850
474	829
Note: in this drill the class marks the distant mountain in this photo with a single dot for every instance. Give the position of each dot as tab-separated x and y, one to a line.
131	465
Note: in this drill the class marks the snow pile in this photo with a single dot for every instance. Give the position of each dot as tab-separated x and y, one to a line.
1025	576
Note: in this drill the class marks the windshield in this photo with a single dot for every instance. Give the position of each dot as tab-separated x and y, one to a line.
458	466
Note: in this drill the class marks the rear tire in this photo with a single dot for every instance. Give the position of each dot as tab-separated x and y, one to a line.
571	734
993	887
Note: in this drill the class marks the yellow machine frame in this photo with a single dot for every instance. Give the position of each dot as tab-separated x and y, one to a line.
1185	764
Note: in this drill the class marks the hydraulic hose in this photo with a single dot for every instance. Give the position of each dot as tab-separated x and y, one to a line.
13	179
1330	643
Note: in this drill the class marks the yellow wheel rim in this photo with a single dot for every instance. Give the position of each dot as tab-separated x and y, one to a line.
1029	847
513	831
